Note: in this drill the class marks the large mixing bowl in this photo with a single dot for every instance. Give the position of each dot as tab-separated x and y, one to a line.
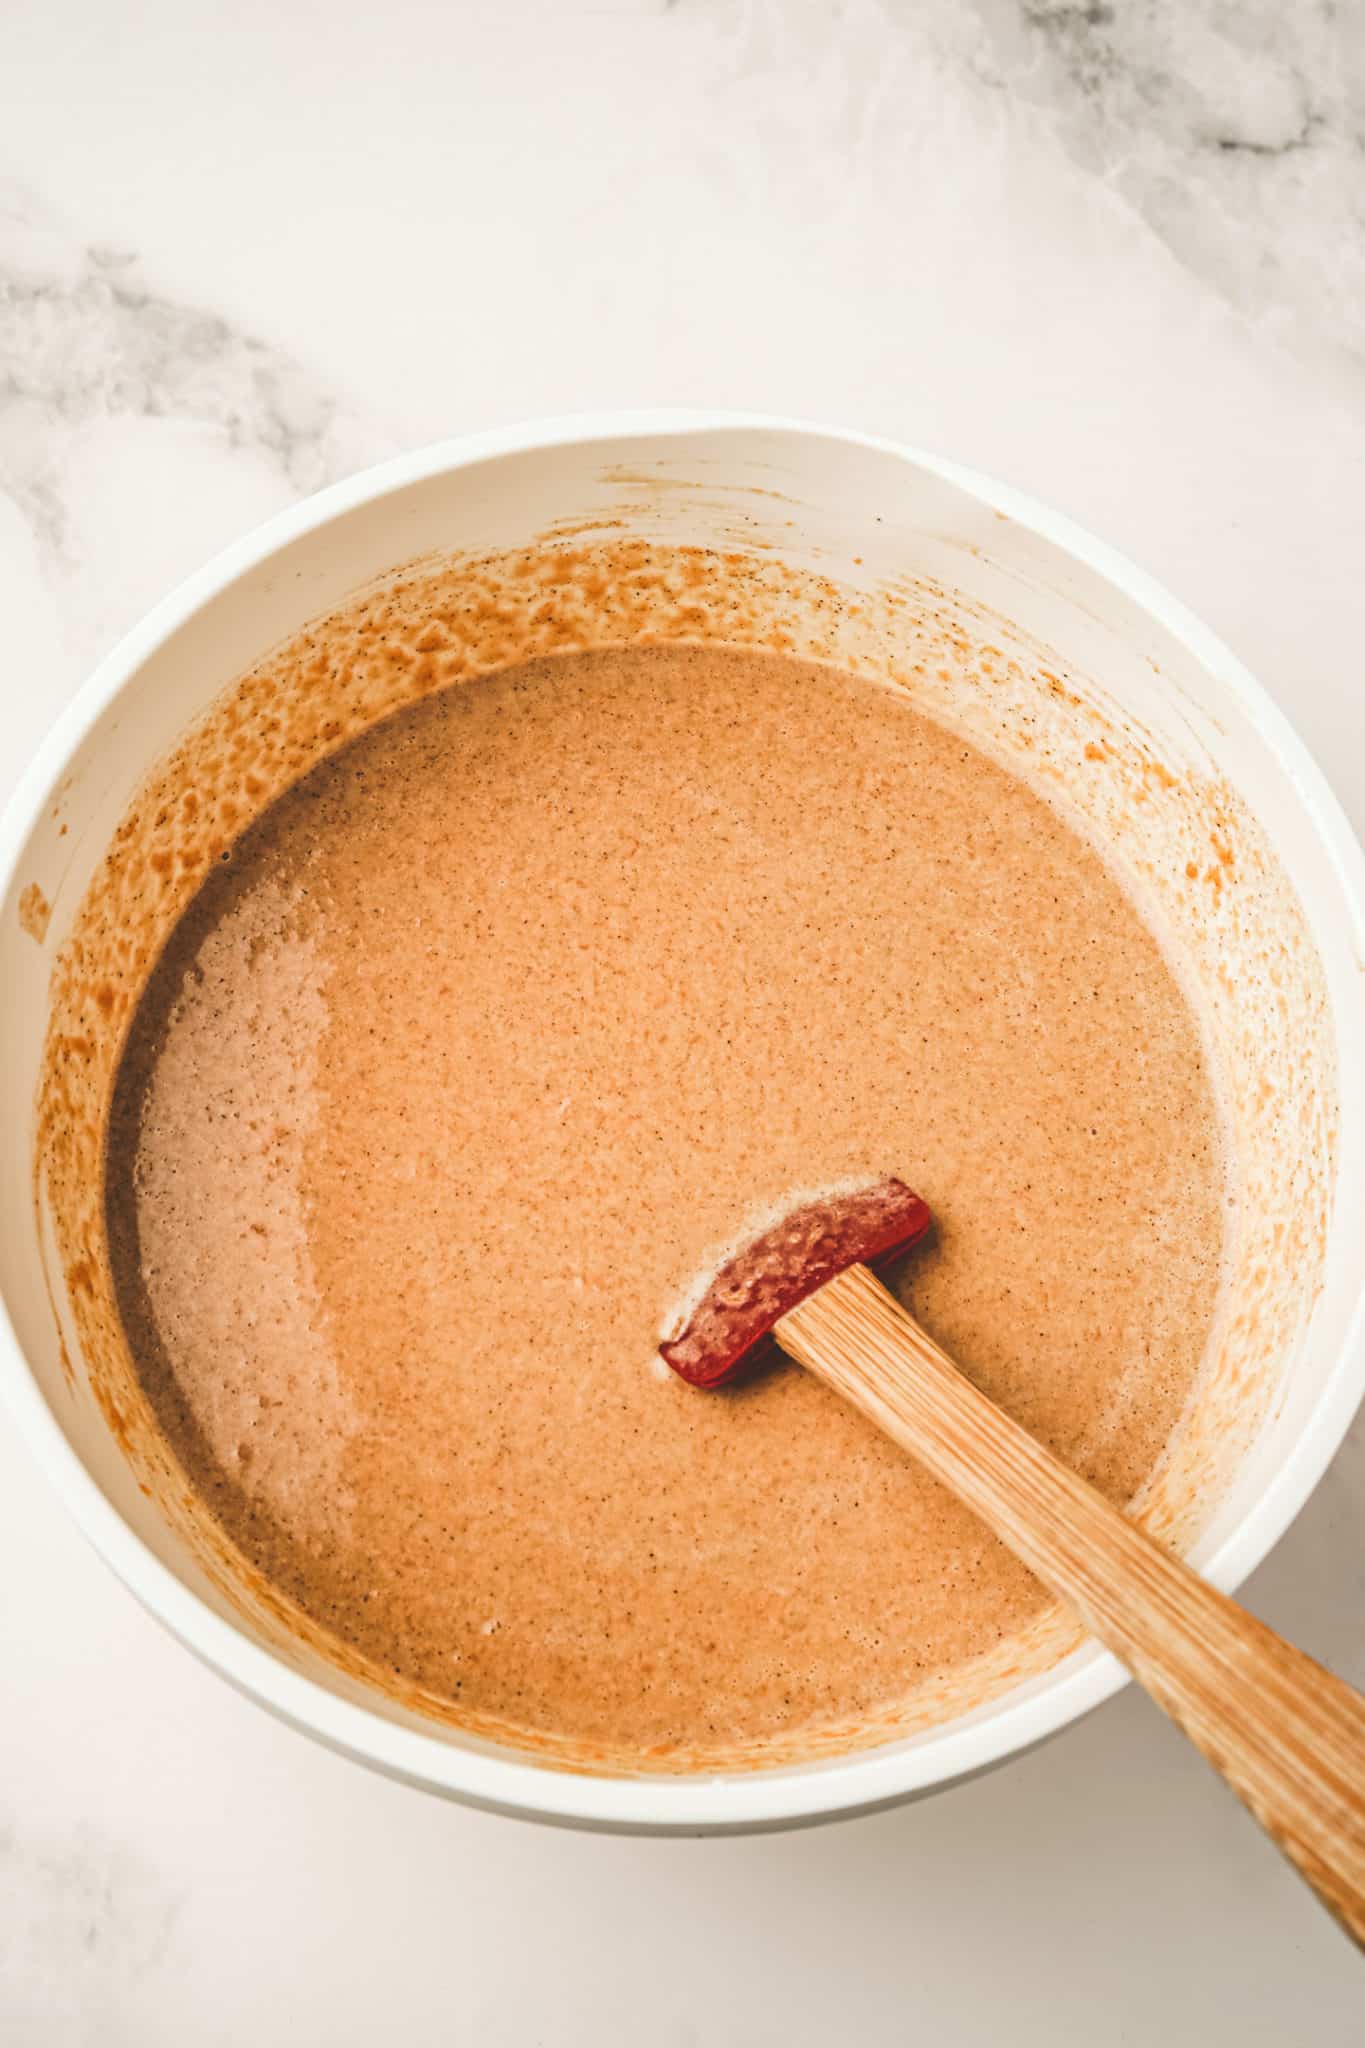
1039	643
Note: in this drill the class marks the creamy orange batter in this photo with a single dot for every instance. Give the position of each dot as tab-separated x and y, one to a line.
492	1028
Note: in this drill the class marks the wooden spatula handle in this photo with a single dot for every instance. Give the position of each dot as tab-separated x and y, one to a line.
1287	1736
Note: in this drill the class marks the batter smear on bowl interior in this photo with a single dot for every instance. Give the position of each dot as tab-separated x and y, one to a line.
492	1029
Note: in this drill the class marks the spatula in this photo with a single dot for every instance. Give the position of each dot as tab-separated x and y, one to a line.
1287	1736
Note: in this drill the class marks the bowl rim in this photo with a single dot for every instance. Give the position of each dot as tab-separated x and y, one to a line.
507	1782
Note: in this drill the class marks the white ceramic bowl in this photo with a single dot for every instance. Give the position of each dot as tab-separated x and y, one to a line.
867	515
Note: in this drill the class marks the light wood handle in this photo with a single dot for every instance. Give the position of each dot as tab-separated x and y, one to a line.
1286	1735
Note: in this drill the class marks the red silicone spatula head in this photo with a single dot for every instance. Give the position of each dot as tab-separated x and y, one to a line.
724	1336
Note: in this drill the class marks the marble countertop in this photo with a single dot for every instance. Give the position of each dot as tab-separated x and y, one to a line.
1113	253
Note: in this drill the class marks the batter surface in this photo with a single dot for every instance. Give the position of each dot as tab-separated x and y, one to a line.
492	1028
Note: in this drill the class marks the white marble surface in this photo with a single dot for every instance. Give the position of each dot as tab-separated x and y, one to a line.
1113	253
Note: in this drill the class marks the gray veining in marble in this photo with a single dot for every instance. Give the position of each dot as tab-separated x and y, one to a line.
80	1910
83	335
1236	127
